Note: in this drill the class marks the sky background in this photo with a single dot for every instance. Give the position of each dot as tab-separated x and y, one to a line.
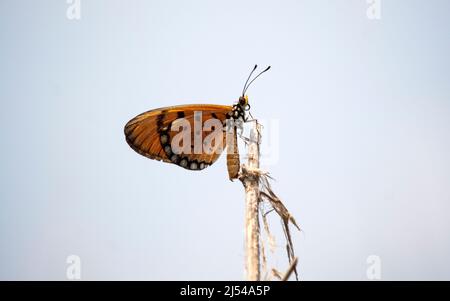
362	108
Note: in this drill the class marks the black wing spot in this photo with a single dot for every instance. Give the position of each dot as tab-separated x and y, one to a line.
160	119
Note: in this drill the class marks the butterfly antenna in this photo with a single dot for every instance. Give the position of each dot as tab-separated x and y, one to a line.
245	89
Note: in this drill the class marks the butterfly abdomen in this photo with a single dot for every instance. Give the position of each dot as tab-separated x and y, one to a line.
233	163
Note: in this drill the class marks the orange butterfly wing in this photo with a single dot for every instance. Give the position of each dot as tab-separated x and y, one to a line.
150	134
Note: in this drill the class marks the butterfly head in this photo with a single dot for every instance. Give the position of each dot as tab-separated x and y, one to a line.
243	101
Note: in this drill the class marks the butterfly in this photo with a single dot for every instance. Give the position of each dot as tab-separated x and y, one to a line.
205	130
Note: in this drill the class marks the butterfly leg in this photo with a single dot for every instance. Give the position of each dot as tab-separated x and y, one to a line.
245	139
250	120
240	132
247	120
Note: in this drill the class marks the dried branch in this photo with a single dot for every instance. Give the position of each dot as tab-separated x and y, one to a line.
250	180
268	194
258	190
292	268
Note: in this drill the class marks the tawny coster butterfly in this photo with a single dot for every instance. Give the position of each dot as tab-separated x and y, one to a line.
153	133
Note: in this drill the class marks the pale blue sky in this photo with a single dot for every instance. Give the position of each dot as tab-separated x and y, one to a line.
363	108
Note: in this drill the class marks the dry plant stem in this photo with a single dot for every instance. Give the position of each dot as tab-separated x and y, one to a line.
250	181
291	270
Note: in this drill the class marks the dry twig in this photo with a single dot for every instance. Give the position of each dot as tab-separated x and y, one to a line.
257	190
